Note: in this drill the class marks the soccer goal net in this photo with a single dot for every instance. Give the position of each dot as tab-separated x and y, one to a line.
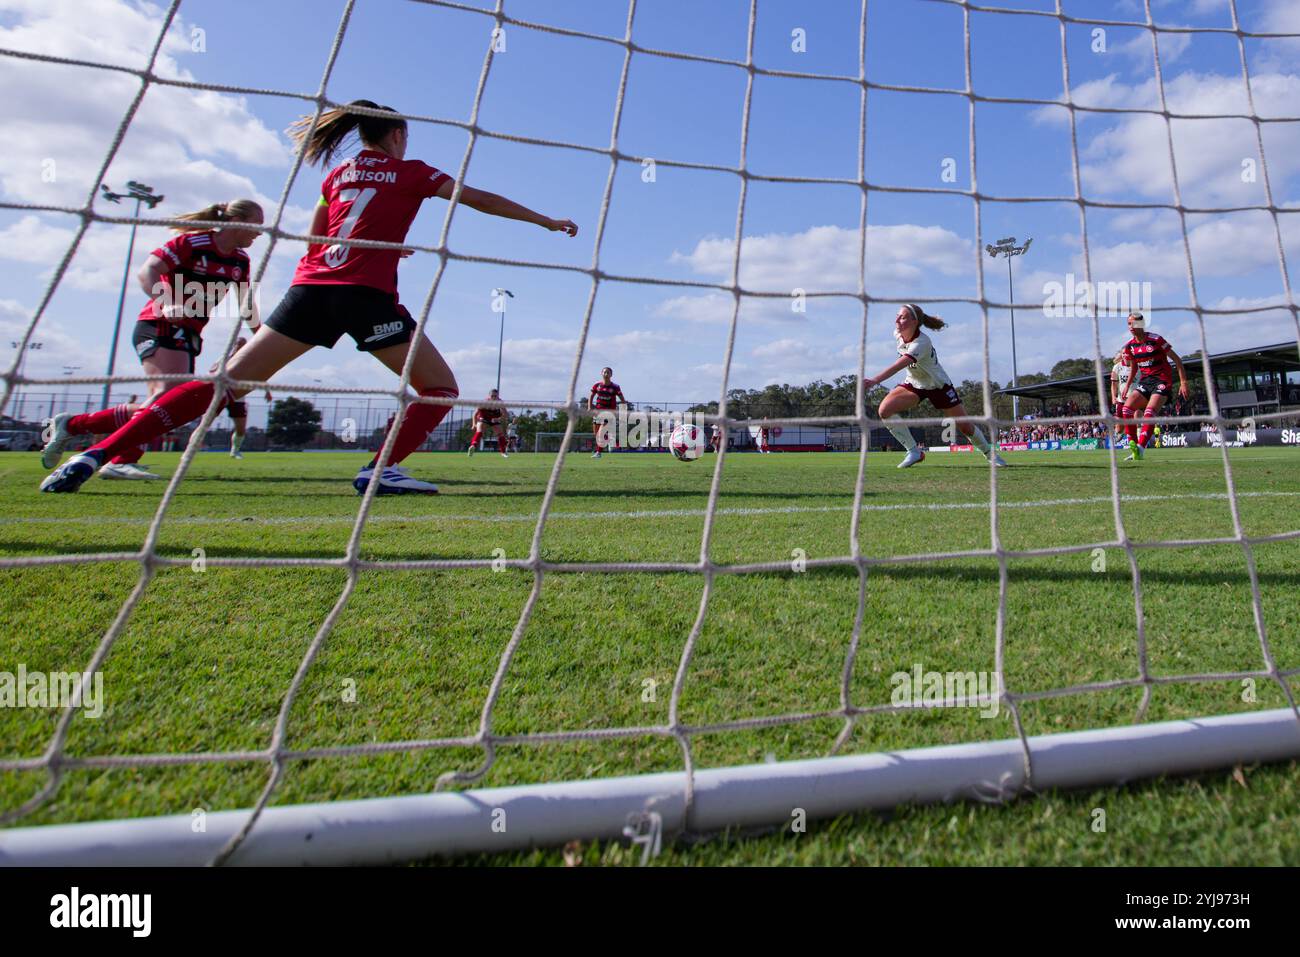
554	441
461	805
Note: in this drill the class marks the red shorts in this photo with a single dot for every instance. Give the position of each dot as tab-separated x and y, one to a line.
944	398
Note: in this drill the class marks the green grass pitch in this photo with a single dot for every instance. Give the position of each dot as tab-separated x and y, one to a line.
205	660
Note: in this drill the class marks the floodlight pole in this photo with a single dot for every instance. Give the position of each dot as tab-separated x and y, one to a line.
501	336
1007	247
141	194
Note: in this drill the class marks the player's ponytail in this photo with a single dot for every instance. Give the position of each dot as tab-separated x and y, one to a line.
235	211
924	318
334	126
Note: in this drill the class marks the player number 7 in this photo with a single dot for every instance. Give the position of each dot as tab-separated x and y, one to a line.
337	254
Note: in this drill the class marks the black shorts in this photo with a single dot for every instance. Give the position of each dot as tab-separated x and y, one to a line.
149	337
944	398
237	409
1150	385
319	315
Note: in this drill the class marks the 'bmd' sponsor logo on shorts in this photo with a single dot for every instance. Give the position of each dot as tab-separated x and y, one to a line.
385	329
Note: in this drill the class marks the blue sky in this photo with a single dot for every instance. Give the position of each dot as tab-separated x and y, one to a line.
667	343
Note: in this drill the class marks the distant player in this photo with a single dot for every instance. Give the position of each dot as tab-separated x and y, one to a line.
761	435
340	290
186	278
716	438
237	409
1119	383
1152	381
512	438
490	419
605	395
926	379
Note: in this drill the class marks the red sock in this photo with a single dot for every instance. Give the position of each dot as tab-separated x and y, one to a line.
172	409
420	420
100	423
477	441
1130	429
1145	433
501	444
130	456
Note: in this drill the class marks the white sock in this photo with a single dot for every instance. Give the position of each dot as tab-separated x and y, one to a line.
901	432
978	440
236	440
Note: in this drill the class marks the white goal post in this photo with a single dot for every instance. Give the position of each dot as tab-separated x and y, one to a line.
651	806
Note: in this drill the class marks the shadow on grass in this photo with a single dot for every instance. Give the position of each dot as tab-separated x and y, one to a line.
977	570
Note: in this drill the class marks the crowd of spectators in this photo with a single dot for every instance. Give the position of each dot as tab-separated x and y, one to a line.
1053	432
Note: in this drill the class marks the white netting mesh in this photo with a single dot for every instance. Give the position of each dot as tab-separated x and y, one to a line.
55	762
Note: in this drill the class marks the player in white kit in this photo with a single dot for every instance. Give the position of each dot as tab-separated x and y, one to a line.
926	379
1119	382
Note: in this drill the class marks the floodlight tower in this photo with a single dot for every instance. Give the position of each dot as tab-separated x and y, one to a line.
1008	248
141	194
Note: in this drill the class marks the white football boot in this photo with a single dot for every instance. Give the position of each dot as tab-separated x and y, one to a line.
913	456
59	439
393	481
126	470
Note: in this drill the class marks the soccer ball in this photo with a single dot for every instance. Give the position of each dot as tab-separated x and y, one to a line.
687	442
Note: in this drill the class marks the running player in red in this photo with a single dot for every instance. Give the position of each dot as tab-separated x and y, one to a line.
490	418
186	279
605	395
926	379
339	289
1151	380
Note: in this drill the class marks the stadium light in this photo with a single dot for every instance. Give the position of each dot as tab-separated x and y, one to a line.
1007	247
501	337
141	194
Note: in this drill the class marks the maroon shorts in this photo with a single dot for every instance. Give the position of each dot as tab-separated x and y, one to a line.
944	398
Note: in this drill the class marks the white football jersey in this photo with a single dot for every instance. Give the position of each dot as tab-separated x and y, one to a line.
1120	373
925	372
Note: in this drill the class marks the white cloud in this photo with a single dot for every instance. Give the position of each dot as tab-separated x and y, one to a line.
825	258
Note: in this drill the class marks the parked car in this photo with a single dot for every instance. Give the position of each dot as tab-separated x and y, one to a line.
15	441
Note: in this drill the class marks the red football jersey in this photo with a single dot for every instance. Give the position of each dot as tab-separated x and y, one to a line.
371	196
606	396
489	416
1152	355
194	258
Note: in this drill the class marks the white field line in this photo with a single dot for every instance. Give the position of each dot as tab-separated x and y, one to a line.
642	513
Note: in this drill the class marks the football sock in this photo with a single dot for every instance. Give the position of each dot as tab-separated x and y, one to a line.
168	411
236	440
501	444
100	423
1130	429
977	439
419	421
130	456
1145	432
901	432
